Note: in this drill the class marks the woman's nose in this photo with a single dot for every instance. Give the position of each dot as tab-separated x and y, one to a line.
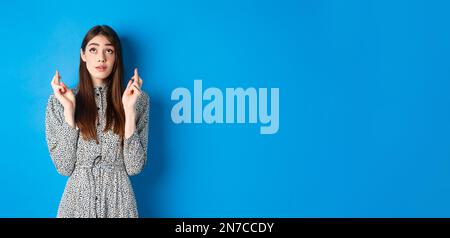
101	58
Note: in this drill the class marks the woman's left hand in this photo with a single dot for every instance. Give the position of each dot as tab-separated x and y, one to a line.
132	92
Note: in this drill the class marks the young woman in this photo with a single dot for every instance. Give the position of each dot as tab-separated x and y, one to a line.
97	134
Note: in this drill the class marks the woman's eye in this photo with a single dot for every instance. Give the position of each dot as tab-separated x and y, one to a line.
93	50
109	51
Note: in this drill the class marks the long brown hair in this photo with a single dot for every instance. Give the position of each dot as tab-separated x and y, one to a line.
86	110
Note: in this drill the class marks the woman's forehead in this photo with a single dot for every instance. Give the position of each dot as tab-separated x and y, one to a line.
100	40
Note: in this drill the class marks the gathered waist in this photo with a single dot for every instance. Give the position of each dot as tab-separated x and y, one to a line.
97	163
107	167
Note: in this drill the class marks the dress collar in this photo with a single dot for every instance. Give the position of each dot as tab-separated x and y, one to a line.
102	88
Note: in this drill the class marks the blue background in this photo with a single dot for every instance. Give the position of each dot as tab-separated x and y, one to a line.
364	105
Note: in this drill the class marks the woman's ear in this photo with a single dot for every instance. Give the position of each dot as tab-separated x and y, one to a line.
83	57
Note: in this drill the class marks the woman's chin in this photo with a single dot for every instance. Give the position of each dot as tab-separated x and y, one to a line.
100	76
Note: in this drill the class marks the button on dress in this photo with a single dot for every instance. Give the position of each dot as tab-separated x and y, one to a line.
98	185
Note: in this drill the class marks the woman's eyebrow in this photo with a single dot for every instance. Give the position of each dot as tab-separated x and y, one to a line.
96	44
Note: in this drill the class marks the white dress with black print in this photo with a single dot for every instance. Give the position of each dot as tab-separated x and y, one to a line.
98	183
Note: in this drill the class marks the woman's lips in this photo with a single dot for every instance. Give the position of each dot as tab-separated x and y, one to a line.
101	68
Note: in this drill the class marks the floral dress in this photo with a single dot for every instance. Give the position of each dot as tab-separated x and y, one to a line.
98	183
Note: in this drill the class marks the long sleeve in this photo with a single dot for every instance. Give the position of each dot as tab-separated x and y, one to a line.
61	138
135	147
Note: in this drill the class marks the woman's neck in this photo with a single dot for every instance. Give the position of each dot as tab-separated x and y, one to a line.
98	82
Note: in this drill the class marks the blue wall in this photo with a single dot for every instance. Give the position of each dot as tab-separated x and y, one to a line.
364	105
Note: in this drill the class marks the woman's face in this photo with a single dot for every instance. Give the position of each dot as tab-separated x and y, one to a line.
99	57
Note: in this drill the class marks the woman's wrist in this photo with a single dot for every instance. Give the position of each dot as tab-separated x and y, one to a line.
129	112
130	122
69	116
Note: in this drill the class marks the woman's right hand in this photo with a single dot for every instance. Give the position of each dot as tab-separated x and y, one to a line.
64	95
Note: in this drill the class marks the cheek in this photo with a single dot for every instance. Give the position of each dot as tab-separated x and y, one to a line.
110	62
111	59
90	61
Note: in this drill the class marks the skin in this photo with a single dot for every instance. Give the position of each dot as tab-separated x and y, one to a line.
99	51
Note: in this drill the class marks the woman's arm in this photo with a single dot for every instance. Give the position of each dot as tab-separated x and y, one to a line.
136	135
60	132
62	138
136	106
